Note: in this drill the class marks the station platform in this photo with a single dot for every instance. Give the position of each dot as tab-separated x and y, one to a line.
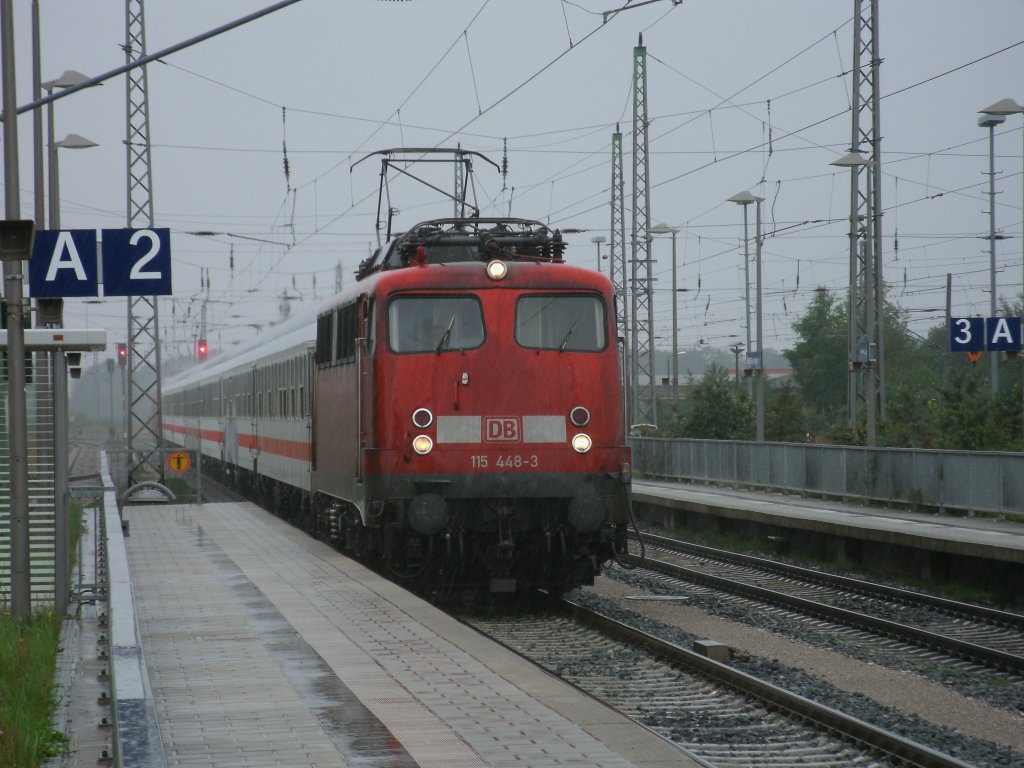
265	647
981	538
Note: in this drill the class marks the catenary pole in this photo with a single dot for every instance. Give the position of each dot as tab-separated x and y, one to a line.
17	425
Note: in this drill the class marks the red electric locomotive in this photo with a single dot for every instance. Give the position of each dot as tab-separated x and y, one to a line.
468	423
457	418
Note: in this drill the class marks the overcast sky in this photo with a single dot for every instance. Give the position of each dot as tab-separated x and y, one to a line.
741	95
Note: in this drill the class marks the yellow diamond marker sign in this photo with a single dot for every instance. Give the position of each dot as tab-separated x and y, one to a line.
179	462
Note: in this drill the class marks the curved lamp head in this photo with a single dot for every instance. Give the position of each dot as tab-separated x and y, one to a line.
1003	107
744	198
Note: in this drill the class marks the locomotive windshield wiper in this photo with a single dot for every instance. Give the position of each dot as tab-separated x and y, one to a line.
443	344
561	347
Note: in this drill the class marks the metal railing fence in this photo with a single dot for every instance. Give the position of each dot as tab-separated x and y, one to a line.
966	481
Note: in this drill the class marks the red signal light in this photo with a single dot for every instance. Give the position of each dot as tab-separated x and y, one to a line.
122	353
202	349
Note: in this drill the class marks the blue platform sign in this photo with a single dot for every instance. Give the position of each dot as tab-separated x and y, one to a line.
978	334
137	262
1002	334
63	263
967	334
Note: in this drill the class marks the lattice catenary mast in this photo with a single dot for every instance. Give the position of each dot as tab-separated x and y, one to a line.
617	257
644	409
866	383
144	428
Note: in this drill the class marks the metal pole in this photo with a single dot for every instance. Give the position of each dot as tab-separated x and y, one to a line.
54	170
37	121
746	287
993	356
634	337
60	480
126	408
111	429
17	427
871	321
199	472
650	331
853	309
736	349
876	210
675	325
760	335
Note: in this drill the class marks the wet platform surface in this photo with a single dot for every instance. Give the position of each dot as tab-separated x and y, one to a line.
267	648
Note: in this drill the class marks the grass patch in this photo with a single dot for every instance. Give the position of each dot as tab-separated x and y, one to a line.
28	662
28	658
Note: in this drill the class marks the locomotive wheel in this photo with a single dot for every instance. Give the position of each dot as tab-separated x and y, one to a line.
408	557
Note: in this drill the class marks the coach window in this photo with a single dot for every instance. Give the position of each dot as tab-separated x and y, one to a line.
574	323
324	339
434	324
348	321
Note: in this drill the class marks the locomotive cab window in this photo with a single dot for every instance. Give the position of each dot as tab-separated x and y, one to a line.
568	323
434	323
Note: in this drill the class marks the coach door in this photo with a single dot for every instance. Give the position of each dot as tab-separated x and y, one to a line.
364	382
254	418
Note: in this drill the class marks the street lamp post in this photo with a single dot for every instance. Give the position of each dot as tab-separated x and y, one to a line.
68	79
71	141
760	329
990	121
744	199
854	161
597	240
661	229
1001	108
37	121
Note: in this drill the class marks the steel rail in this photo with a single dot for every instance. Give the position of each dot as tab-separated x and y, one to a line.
920	637
977	612
826	717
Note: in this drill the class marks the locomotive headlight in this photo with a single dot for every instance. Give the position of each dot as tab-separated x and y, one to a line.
497	269
579	416
581	443
422	418
422	444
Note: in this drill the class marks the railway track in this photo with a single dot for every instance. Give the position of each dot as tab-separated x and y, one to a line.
717	713
990	639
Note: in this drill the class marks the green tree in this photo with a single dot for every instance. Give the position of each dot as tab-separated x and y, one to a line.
966	399
715	409
819	360
784	415
913	382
